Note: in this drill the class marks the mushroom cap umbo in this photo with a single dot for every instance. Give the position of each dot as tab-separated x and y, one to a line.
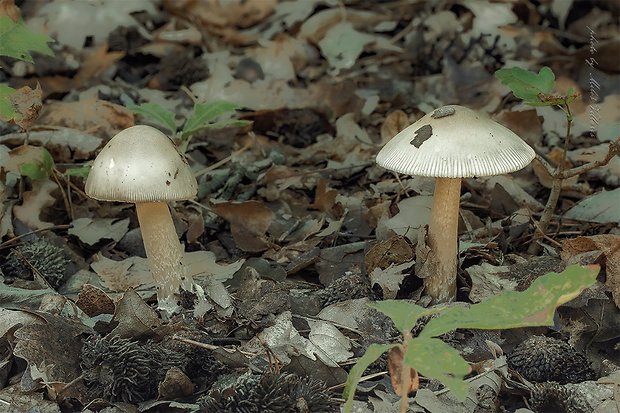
455	142
141	164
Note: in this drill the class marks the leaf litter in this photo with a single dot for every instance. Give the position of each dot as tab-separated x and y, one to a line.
297	230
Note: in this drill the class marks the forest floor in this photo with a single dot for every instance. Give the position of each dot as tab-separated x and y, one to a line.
295	229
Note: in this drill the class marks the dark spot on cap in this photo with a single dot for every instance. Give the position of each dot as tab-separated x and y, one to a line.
422	135
443	112
167	183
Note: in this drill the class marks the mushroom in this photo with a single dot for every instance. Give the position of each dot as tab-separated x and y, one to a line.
142	165
451	143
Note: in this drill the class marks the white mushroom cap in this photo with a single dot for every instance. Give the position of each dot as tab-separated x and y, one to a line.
141	164
455	142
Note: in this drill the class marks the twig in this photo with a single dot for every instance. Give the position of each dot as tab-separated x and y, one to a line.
545	236
365	378
559	174
223	161
6	243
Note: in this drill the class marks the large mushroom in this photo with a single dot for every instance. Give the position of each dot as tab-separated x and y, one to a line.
142	165
450	143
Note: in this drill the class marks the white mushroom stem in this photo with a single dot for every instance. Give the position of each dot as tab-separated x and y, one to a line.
164	252
442	240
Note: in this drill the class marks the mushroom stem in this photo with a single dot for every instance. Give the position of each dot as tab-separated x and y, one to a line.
164	252
442	240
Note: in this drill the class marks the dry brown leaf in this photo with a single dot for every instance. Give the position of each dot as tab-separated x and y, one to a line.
26	102
93	301
52	350
195	226
526	123
249	221
99	117
390	278
8	8
325	197
136	320
96	65
229	13
396	250
609	245
396	366
118	276
394	123
176	384
34	202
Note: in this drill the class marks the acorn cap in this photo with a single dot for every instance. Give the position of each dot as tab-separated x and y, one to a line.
455	142
141	164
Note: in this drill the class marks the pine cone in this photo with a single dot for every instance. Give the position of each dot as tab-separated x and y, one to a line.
540	359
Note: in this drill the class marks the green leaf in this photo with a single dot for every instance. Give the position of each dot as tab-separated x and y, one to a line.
532	307
373	352
527	85
228	122
17	39
205	113
35	170
434	358
82	172
7	111
157	113
48	161
403	314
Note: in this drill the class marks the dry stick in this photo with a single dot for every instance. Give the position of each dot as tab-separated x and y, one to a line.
559	174
545	236
362	379
405	377
223	161
65	198
6	243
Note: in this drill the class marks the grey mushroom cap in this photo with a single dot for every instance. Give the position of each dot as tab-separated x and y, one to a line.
455	142
141	164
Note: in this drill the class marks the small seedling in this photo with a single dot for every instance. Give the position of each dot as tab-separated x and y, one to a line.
432	357
536	90
202	117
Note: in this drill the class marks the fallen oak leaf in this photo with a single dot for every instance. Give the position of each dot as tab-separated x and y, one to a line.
26	102
34	202
52	350
249	222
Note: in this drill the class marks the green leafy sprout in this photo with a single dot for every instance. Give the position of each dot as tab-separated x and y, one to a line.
204	116
16	41
36	170
434	358
535	89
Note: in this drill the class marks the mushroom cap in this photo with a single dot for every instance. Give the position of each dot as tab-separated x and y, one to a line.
455	142
141	164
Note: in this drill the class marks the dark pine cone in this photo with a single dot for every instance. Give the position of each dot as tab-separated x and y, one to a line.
348	287
554	397
541	359
269	393
119	369
47	258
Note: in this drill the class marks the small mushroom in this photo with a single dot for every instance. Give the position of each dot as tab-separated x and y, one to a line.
451	143
142	165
